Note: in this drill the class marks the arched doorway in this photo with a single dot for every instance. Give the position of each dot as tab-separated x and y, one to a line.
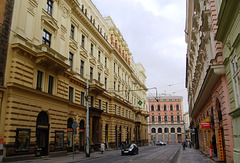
81	135
69	135
120	135
42	132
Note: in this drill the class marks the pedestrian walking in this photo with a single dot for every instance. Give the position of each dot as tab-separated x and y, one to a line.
183	145
102	146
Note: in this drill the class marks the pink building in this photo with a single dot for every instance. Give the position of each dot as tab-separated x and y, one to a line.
165	119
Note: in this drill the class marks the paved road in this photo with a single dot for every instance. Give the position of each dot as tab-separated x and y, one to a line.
147	154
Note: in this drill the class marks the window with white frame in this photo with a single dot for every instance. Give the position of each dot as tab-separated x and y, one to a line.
49	7
236	79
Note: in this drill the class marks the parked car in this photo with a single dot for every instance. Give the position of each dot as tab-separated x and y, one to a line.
160	143
132	149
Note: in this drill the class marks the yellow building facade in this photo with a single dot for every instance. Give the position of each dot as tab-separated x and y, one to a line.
55	48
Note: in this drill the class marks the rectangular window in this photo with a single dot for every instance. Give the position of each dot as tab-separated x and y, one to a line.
115	109
59	139
114	67
159	118
92	101
172	118
99	56
178	118
99	104
82	98
46	38
72	32
91	73
114	86
71	61
153	118
127	113
50	84
49	7
92	48
105	83
39	80
120	110
83	41
99	77
165	118
106	62
106	107
70	96
82	68
235	79
22	139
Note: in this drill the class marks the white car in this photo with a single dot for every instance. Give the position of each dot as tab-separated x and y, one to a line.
160	143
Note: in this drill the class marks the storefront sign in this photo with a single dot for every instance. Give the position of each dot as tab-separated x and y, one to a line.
81	130
205	125
22	139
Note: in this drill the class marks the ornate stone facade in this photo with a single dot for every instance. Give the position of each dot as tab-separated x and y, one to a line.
56	47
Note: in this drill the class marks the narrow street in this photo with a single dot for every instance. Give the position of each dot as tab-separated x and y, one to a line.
147	154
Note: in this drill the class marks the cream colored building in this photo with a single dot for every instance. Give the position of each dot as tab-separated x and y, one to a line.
186	124
56	46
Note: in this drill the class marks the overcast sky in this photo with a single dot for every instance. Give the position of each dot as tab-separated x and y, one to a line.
154	32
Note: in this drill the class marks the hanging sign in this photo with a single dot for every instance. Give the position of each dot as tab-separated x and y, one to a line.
205	125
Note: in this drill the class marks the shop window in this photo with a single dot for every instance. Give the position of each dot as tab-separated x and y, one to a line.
22	140
59	139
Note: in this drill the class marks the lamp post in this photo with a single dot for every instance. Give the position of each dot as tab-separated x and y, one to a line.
87	143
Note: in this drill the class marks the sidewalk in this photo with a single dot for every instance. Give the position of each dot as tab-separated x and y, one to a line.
191	155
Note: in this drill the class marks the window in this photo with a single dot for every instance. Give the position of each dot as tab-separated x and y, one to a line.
70	96
92	48
172	130
114	67
158	107
152	107
82	68
159	118
105	83
118	88
99	77
119	110
39	80
49	7
50	84
127	113
46	39
92	101
177	107
166	130
106	62
114	86
179	130
71	61
172	119
165	107
72	32
178	118
235	79
165	118
99	104
91	73
153	130
171	107
159	130
106	107
99	56
116	109
153	118
83	41
82	98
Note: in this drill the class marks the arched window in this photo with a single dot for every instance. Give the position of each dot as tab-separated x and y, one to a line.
166	130
165	107
153	130
159	130
171	107
172	130
177	107
179	130
152	107
159	108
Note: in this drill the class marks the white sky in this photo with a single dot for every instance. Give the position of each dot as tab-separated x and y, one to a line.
154	32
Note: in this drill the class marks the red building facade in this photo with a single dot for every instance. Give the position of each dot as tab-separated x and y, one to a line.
165	119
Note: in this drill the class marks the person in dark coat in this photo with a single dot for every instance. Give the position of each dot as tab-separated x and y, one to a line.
183	145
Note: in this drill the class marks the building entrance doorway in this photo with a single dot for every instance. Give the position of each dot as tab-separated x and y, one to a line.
81	135
42	132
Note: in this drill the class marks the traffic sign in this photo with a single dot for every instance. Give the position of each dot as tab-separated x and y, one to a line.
74	125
